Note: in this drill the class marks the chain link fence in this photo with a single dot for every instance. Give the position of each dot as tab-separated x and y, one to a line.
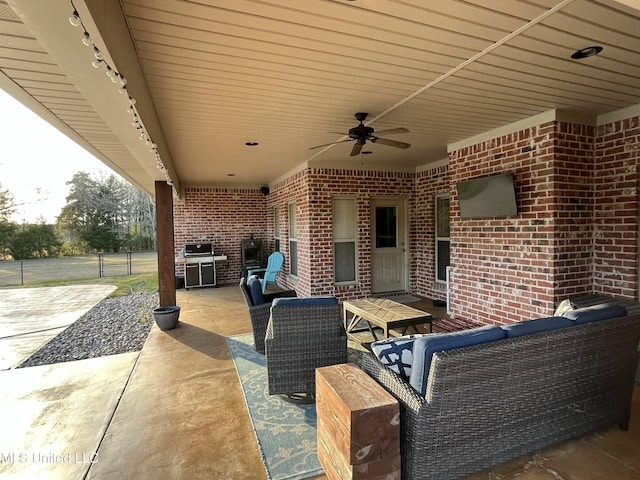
25	272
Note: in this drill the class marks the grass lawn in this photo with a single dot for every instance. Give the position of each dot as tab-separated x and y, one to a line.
84	269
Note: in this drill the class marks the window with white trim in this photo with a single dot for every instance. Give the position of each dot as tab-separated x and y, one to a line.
442	236
293	240
344	240
276	227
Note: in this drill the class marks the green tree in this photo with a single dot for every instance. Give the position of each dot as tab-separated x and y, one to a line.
35	241
7	232
7	205
107	214
7	228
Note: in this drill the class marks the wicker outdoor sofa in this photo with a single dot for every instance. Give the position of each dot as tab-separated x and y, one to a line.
485	404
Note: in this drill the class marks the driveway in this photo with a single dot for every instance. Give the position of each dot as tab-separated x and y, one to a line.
31	317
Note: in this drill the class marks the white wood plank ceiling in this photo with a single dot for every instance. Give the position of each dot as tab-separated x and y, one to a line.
285	74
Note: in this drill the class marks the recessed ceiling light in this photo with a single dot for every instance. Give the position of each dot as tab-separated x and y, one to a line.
251	144
586	52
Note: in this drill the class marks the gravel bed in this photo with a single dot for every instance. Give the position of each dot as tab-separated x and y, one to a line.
115	325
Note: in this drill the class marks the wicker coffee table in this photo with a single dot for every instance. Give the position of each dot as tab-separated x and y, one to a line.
383	313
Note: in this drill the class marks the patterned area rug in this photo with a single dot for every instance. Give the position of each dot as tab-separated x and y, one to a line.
286	432
401	297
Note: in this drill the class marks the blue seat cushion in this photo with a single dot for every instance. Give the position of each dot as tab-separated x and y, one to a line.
396	353
304	302
595	313
424	348
255	290
535	326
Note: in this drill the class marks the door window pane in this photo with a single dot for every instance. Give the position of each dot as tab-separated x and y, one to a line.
386	227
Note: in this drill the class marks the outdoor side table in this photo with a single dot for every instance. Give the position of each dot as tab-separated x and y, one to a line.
358	425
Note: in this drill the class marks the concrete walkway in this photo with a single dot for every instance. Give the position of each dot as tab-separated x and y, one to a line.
31	317
53	417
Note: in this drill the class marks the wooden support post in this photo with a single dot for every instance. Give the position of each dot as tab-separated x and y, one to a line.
166	253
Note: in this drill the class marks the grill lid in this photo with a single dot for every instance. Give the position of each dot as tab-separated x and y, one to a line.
191	249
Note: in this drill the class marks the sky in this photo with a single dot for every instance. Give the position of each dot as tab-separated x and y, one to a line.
36	161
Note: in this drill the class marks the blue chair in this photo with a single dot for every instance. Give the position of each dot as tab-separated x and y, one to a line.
274	265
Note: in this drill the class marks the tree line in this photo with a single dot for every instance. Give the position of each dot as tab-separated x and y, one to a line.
105	214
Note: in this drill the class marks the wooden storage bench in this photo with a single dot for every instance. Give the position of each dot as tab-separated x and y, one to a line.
358	425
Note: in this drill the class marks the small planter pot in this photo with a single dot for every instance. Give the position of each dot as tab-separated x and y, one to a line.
166	317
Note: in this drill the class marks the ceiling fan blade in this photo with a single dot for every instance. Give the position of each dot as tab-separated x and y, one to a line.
332	143
392	131
391	143
356	149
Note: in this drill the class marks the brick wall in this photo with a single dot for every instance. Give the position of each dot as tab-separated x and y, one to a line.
615	255
502	268
576	230
222	216
428	184
313	191
292	190
572	194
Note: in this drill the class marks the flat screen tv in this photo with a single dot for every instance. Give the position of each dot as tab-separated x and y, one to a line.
485	197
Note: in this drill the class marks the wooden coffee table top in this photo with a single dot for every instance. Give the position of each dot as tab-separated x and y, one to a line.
383	313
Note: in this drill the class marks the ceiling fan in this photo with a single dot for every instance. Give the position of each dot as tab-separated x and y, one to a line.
362	133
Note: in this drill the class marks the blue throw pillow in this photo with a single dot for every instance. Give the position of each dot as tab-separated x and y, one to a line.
304	302
535	326
424	348
255	290
396	353
603	311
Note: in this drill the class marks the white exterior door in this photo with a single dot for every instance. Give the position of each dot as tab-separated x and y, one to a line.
388	245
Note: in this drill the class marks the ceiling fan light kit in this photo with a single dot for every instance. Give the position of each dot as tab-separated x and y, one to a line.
362	133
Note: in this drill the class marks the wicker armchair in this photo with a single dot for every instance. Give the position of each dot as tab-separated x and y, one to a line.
259	306
303	334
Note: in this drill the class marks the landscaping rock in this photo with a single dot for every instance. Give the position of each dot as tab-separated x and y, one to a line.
115	325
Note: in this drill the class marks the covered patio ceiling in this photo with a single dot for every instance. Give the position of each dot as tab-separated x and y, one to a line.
208	76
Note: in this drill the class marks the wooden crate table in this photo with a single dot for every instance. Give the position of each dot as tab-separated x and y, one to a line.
358	425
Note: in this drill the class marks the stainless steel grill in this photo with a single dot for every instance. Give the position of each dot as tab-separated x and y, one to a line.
200	267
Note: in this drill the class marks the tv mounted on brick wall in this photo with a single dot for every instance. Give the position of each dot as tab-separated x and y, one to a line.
485	197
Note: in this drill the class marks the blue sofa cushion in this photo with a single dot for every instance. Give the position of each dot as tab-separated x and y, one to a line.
424	348
304	302
255	290
396	353
595	313
535	326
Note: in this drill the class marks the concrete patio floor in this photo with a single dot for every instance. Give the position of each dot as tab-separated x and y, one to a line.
31	317
176	410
